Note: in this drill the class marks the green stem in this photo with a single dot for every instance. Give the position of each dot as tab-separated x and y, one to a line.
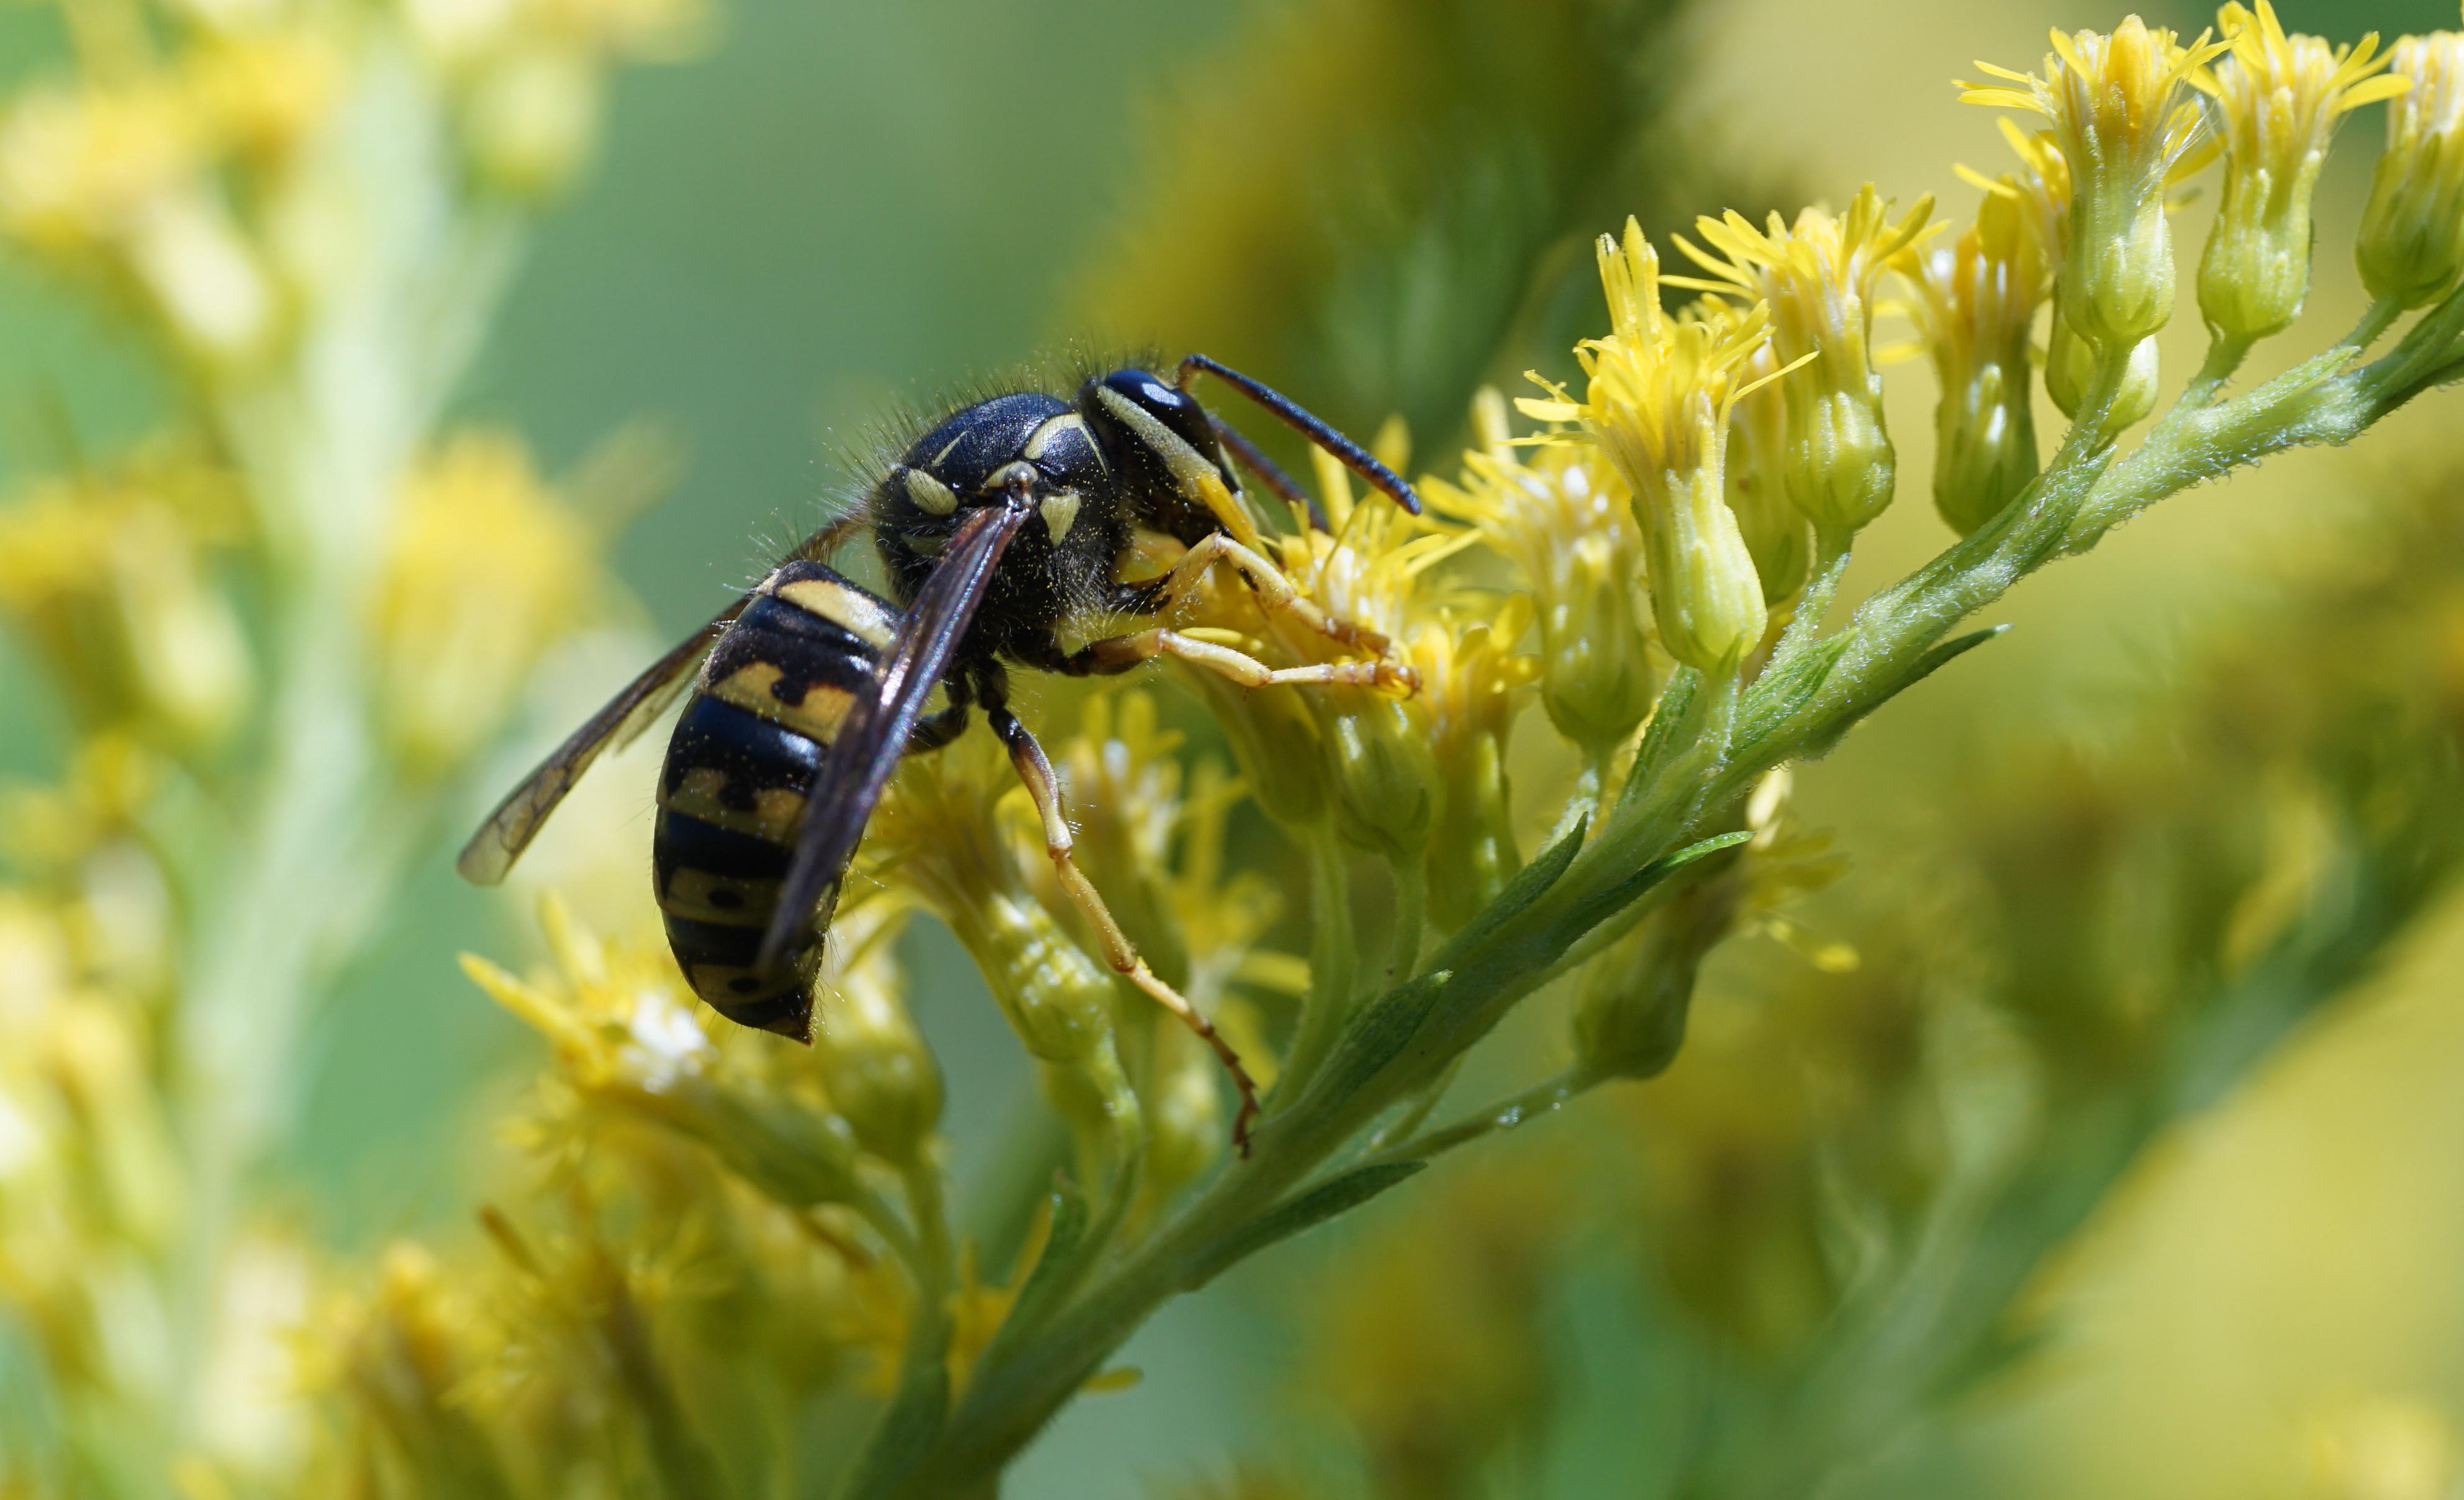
1333	967
2224	353
905	1433
2378	319
1411	918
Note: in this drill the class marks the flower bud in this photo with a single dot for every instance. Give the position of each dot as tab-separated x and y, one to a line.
1657	406
1470	674
1819	277
204	278
108	577
2123	116
1572	542
2278	99
1381	769
1775	529
1185	1126
936	834
2070	370
878	1073
1975	303
2412	243
1275	739
1630	1009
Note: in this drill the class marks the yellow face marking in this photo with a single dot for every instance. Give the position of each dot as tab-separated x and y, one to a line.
703	794
1189	467
1060	514
1043	438
926	546
947	449
816	715
862	615
930	495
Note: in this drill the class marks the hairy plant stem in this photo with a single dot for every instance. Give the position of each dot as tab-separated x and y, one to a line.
321	442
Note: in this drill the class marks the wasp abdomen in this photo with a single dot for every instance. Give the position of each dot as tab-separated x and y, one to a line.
732	794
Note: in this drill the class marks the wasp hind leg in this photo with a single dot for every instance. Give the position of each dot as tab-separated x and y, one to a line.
1036	771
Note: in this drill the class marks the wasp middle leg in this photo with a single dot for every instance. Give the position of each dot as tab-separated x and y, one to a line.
1045	787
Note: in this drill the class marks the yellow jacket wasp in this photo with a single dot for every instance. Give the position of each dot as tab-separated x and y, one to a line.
1005	519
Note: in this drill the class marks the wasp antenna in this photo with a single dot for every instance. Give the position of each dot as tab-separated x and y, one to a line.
1356	458
1250	457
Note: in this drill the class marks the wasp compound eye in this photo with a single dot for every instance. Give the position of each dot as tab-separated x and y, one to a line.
1132	394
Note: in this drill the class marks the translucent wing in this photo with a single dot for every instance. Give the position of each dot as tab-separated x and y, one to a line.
524	811
875	731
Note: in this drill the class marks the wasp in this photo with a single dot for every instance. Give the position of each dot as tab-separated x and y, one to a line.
1005	522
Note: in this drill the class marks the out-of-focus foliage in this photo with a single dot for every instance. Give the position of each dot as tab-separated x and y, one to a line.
1387	202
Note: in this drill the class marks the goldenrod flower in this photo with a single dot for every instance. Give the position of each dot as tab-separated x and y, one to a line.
2126	121
531	117
2278	99
874	1061
1777	534
1976	300
1657	406
937	835
1818	277
1471	676
2412	243
485	568
1382	781
106	574
1557	518
78	167
260	92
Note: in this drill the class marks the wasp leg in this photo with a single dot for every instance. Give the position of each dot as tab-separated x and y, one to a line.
934	730
1277	593
1116	653
1045	787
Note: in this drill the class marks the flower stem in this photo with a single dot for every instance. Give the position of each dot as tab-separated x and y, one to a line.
1333	966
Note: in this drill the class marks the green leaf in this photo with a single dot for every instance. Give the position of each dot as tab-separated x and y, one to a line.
1789	683
1529	884
1496	977
1340	1194
1924	667
1378	1035
1055	1271
1386	1025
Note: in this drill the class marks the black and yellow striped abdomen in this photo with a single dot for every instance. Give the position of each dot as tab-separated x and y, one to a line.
768	704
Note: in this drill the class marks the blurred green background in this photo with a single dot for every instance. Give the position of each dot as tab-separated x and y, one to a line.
841	207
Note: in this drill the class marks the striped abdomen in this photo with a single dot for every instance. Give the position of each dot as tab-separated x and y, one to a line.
731	796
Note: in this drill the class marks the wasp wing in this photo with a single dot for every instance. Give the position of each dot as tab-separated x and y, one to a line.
524	811
874	733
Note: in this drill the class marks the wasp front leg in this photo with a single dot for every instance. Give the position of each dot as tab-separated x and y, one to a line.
1045	787
1276	592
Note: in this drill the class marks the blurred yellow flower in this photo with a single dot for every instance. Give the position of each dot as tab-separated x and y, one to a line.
485	568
